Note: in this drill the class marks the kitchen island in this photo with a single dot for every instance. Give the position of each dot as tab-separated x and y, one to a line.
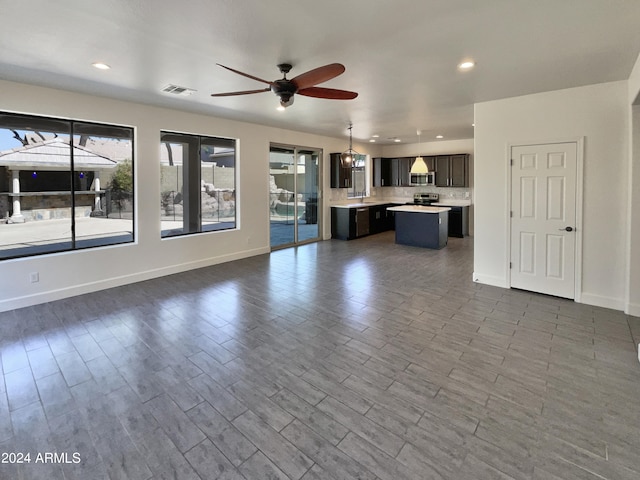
421	226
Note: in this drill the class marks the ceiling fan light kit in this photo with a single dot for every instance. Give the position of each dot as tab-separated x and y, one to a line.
303	84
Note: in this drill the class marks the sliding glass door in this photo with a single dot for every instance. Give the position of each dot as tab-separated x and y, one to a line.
294	185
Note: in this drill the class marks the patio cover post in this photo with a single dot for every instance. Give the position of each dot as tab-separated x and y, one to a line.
17	216
97	209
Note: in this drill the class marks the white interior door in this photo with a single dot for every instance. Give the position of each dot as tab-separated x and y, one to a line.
543	222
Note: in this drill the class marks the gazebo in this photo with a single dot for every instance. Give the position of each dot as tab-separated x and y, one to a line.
53	155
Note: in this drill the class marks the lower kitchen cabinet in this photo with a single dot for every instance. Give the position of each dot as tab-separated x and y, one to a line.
350	223
344	223
459	222
380	220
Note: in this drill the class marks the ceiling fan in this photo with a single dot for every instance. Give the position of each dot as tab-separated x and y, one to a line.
303	84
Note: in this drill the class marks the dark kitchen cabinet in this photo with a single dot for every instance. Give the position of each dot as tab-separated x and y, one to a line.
343	223
459	171
340	175
380	220
452	170
431	163
350	223
404	166
391	172
442	170
459	221
381	172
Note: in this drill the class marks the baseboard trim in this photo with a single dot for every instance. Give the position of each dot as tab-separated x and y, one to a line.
490	280
80	289
602	301
632	309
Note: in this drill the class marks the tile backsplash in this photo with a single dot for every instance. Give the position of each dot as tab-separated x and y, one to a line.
408	192
380	193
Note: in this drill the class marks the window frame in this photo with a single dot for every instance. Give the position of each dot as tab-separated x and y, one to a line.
193	184
48	124
364	168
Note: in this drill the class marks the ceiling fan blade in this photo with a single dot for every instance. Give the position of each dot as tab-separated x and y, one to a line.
332	93
244	92
318	75
245	74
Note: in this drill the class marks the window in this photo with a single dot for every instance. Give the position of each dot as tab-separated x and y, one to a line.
358	177
50	168
197	184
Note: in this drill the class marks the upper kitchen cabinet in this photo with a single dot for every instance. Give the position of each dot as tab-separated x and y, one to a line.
391	172
452	170
381	172
459	170
340	175
431	163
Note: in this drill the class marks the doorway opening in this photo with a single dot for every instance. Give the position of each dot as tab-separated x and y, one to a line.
294	185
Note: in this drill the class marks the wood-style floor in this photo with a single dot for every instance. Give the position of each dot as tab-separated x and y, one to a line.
335	360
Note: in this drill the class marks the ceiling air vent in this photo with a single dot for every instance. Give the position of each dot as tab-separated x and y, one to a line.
176	90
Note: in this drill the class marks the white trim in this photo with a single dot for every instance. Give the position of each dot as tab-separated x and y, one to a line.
634	161
601	301
490	280
52	295
579	216
632	309
579	141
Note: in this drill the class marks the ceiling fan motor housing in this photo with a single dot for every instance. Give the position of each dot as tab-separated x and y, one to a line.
284	88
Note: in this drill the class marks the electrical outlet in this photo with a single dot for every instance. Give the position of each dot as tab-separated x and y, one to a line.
34	277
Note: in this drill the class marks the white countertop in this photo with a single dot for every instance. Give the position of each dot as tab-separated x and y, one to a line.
357	203
367	203
453	203
418	209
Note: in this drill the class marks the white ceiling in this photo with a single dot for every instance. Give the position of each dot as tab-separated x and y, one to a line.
400	55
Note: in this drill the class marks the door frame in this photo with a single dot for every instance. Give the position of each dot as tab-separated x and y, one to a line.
579	141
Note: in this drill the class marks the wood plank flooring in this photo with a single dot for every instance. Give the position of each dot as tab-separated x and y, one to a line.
330	361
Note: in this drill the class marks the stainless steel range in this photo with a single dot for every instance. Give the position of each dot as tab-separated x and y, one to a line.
424	198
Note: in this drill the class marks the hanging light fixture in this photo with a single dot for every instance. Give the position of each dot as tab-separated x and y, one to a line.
419	165
347	158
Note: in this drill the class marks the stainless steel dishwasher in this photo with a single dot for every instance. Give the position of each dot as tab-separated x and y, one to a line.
362	222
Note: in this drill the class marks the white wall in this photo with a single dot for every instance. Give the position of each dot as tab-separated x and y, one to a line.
72	273
442	147
599	113
632	306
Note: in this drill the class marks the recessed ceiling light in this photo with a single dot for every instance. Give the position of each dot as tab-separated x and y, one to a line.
467	65
101	66
439	136
375	136
397	140
373	140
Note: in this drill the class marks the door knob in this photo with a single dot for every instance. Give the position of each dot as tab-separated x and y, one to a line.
567	229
